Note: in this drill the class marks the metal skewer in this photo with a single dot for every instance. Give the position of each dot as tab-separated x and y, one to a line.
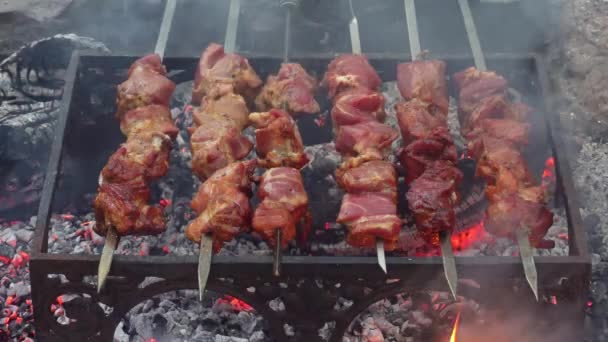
289	5
112	238
525	250
445	238
205	253
355	42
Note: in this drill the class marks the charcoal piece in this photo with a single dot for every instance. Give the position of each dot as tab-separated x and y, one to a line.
6	252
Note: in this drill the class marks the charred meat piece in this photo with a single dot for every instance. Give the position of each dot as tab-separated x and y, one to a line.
357	106
475	85
124	206
123	193
216	144
292	89
284	204
506	214
219	73
499	156
222	204
146	85
511	131
373	176
365	137
493	107
424	81
369	216
416	156
416	121
431	199
350	72
145	155
278	140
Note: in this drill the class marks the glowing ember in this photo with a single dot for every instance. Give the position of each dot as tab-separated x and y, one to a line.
67	216
548	177
455	329
553	300
236	303
466	238
165	202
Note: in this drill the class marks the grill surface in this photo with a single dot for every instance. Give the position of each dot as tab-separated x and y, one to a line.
87	134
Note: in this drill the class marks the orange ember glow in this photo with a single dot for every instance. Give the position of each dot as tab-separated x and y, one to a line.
236	303
466	238
455	330
549	171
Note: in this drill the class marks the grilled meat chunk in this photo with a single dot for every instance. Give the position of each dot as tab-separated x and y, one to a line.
369	216
416	121
350	72
416	156
222	204
365	137
357	106
432	198
292	89
146	85
284	204
278	140
219	74
373	176
424	81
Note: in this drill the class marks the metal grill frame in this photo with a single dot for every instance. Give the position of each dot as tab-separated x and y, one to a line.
307	308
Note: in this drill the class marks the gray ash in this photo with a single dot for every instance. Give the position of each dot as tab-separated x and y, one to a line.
180	316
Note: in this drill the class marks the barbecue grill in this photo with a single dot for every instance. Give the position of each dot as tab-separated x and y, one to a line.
311	282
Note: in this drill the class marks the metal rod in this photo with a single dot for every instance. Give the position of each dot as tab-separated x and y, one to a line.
412	28
287	37
205	253
112	238
469	25
204	263
355	42
105	262
353	28
288	5
449	264
527	259
525	250
445	238
232	27
276	266
165	28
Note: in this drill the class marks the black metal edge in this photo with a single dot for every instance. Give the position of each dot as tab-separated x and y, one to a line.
486	271
577	241
93	59
54	163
